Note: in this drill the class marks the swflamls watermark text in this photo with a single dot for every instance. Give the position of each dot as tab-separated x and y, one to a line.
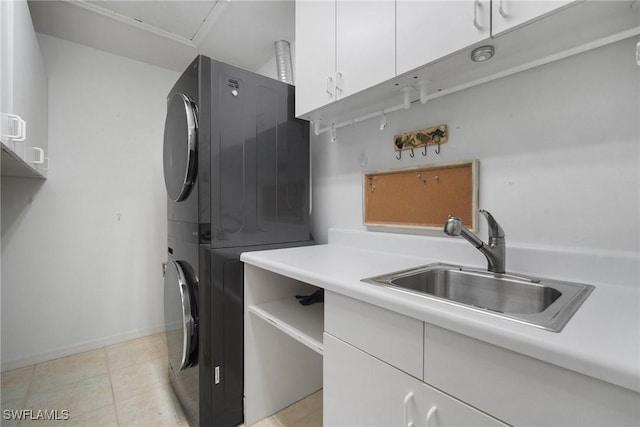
36	414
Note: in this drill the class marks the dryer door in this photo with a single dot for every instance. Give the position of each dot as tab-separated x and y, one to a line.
179	153
180	316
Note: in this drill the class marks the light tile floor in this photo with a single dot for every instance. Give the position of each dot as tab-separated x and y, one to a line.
120	385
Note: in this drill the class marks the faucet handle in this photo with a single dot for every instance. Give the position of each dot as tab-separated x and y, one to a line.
494	228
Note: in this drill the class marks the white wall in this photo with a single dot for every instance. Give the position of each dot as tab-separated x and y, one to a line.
558	147
81	251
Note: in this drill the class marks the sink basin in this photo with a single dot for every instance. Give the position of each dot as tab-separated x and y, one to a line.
547	304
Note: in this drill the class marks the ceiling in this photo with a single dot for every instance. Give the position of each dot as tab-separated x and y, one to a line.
170	33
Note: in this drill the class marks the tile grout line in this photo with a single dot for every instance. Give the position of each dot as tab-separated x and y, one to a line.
25	398
113	394
30	391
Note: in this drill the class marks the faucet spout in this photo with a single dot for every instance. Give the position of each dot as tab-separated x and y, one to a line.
494	251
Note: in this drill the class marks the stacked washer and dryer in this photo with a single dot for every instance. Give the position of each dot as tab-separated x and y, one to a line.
236	169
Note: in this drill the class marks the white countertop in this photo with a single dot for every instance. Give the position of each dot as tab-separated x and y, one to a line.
601	340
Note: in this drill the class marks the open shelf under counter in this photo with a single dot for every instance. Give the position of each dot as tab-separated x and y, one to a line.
304	323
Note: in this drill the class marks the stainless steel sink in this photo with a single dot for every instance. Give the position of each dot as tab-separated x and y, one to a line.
546	304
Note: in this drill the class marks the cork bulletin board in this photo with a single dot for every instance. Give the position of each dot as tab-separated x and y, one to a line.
422	197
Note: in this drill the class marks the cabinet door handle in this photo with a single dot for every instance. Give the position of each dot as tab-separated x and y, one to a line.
46	168
407	399
40	152
329	84
430	414
476	6
20	128
338	82
503	13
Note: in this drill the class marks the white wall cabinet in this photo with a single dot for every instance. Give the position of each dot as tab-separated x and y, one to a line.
315	54
428	30
360	390
342	47
24	95
507	14
356	58
365	44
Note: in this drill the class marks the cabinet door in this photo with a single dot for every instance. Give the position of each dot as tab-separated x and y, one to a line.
365	48
429	30
507	14
30	88
6	71
315	54
360	390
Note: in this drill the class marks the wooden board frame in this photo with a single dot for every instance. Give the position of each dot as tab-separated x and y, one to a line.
422	197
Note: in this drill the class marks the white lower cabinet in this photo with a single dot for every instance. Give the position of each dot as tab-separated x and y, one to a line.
522	390
360	390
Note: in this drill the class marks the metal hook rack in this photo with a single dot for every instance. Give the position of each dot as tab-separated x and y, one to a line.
435	135
408	91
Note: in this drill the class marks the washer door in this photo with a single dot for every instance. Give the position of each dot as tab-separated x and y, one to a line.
180	315
179	153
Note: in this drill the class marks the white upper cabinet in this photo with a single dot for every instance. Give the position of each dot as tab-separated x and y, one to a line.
365	48
429	30
315	54
30	88
24	95
342	47
511	13
355	58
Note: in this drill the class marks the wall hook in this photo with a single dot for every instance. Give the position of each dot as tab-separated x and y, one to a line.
383	120
438	149
411	154
424	152
334	134
399	155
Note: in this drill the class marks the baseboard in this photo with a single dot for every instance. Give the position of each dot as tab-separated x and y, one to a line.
7	365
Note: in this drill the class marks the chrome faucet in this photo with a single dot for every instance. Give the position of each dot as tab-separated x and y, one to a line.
494	251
